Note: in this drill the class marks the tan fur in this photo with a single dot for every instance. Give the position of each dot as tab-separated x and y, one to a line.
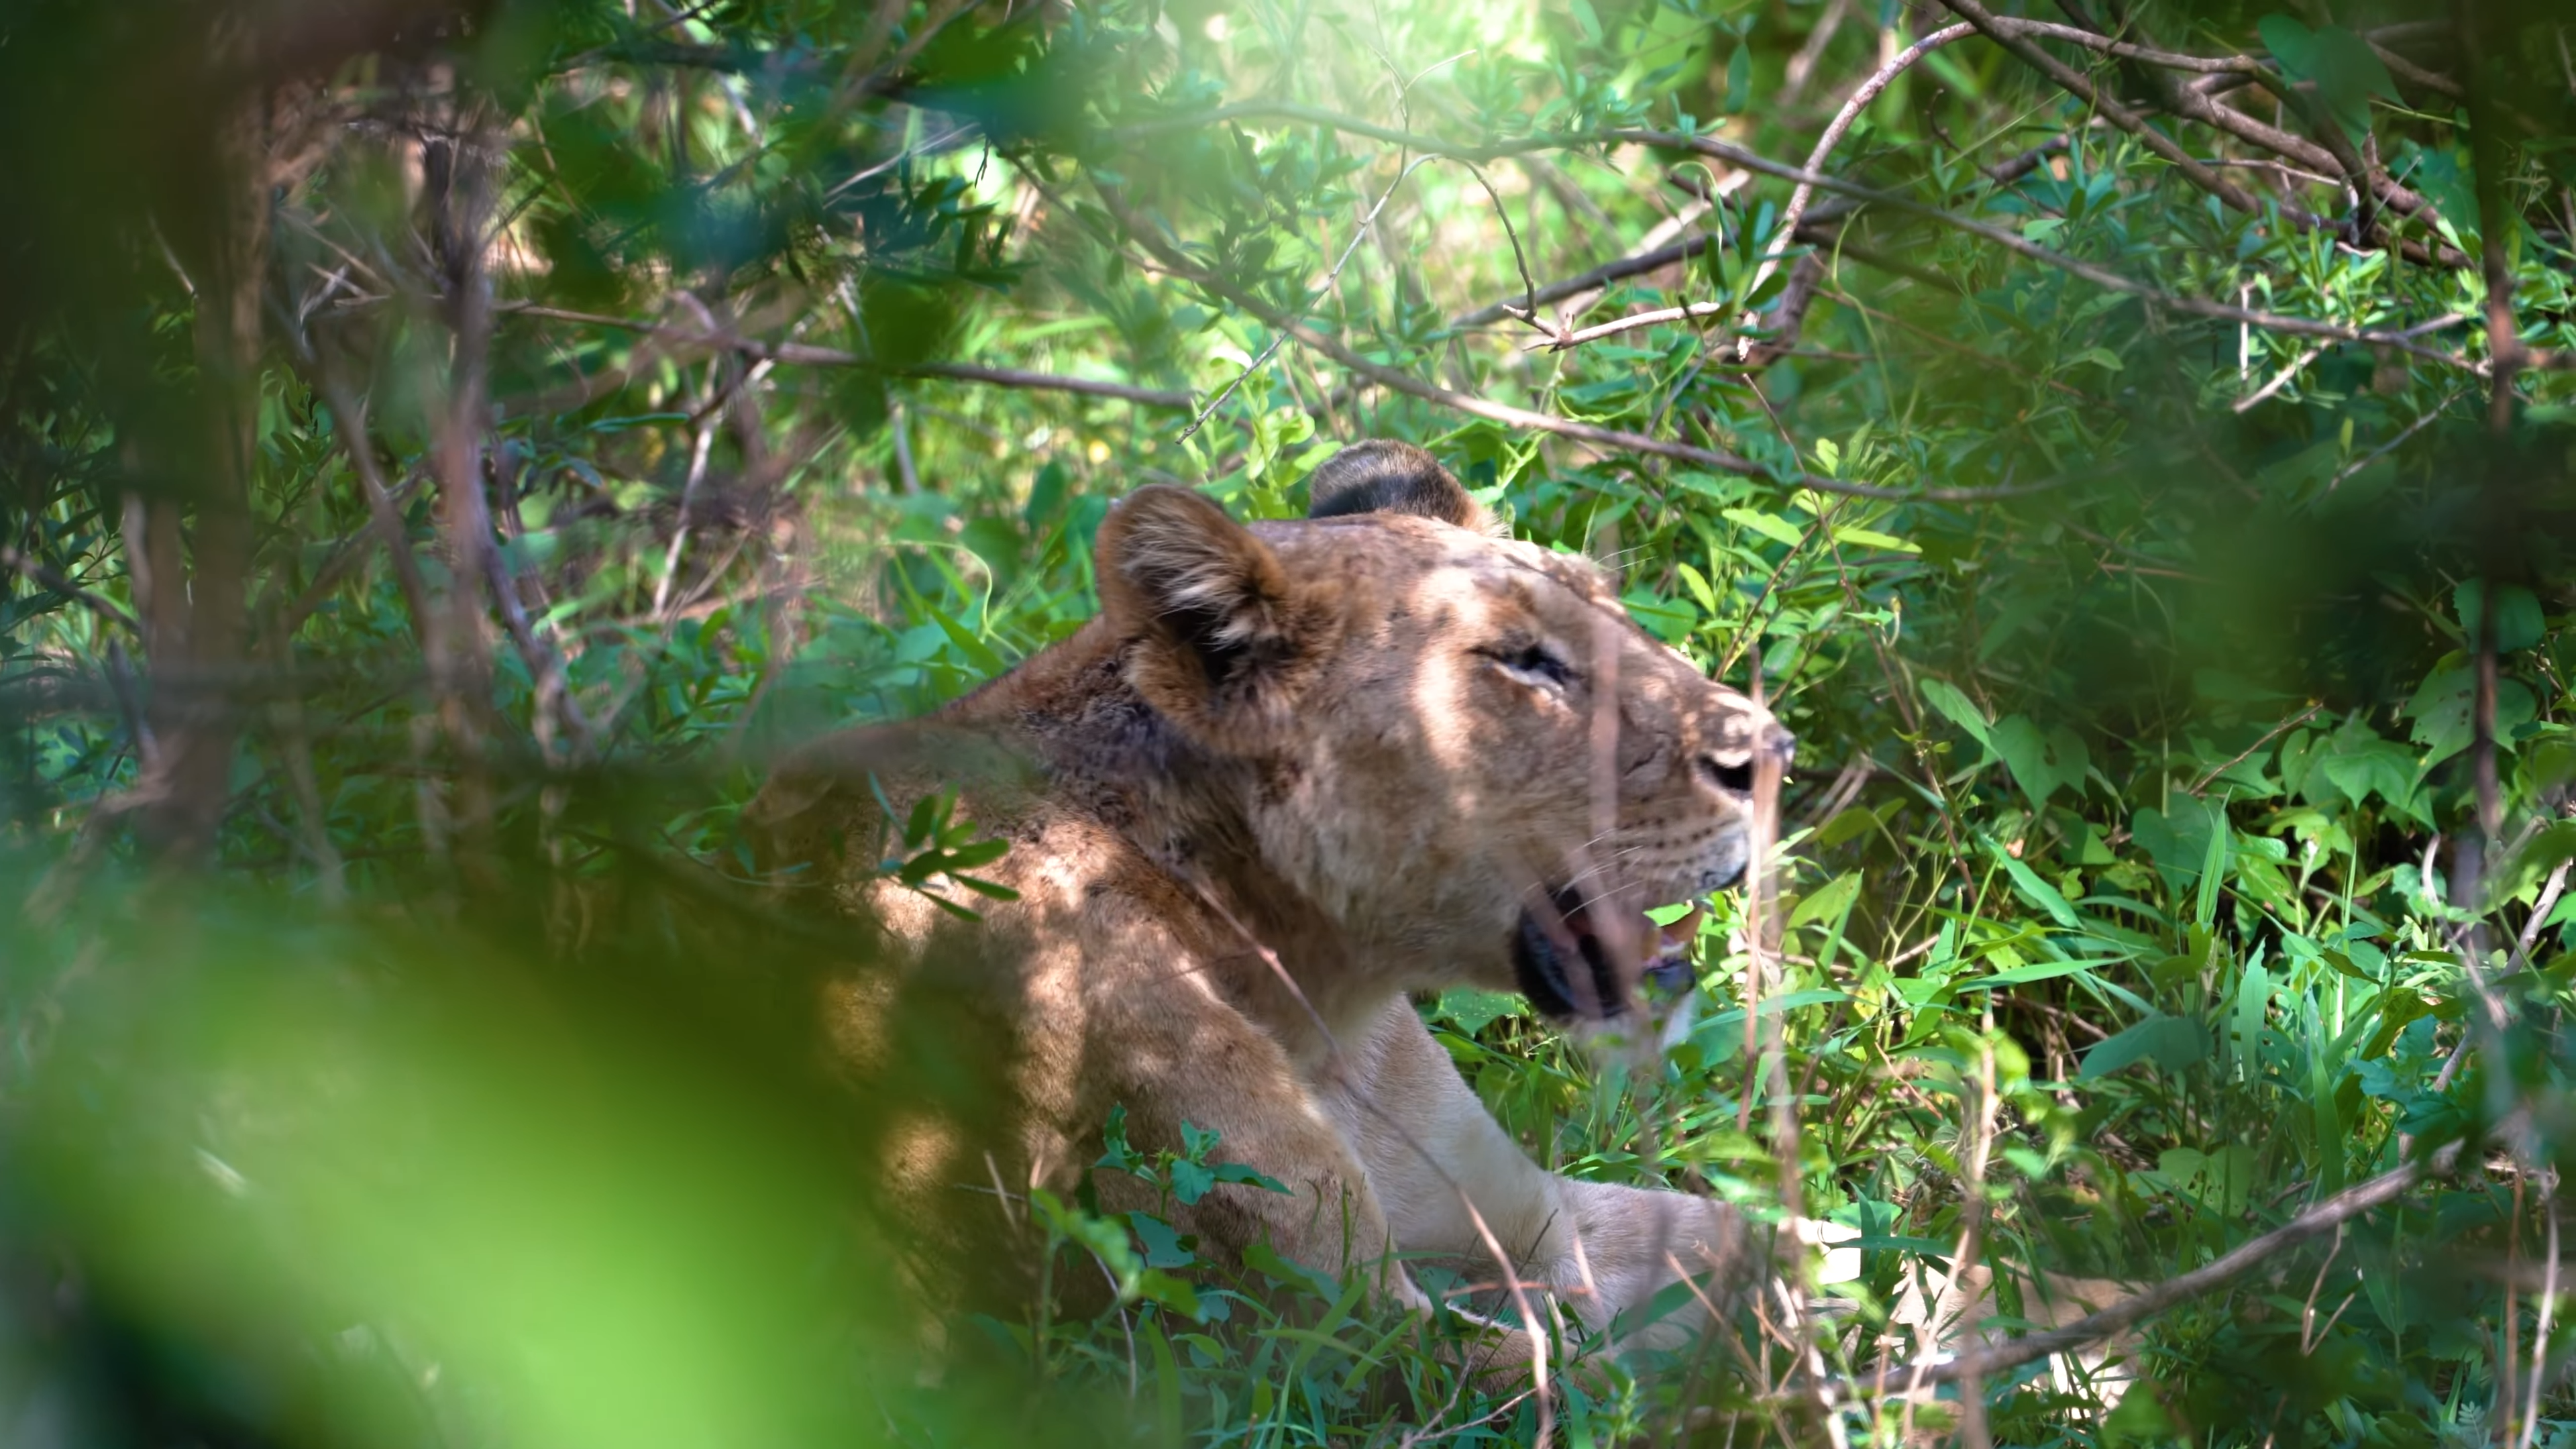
1292	773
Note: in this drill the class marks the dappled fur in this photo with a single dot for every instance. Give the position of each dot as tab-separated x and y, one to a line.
1292	773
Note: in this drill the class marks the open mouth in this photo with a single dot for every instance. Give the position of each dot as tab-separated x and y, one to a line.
1571	966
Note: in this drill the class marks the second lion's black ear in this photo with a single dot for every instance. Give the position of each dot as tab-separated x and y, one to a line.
1379	476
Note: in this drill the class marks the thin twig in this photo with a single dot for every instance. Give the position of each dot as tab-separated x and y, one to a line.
2293	722
2431	415
2325	1217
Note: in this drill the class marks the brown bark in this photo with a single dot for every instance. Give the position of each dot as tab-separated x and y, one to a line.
194	599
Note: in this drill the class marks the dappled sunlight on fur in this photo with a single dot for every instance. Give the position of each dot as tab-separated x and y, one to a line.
1292	773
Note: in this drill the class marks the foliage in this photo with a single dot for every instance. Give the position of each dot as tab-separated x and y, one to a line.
448	451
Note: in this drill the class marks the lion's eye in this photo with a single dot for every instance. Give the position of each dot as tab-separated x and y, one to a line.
1534	664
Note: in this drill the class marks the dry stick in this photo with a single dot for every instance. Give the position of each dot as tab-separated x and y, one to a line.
2409	71
349	424
2368	181
1972	1388
554	687
1751	161
1397	380
2540	909
1520	262
1834	131
1760	923
343	558
1646	261
2325	1217
2548	1309
459	184
2486	145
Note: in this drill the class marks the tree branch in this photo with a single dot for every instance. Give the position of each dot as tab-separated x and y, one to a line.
799	354
1751	161
2010	38
1859	100
1399	381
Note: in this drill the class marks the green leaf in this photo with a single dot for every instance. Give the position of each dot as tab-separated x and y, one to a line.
2213	870
1119	1157
1161	1243
1262	1258
1769	525
924	819
2030	887
1249	1176
1697	583
1472	1010
1190	1180
2349	76
2245	1036
2291	43
2173	1043
981	852
1829	901
2518	622
2037	971
2360	764
2040	763
1962	711
2445	724
1866	538
1156	1286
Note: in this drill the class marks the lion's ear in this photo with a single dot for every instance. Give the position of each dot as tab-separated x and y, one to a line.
1223	638
1380	476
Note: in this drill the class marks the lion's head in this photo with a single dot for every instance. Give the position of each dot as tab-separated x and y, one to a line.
1464	751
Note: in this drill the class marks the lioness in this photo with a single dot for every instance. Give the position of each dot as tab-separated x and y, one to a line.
1290	774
